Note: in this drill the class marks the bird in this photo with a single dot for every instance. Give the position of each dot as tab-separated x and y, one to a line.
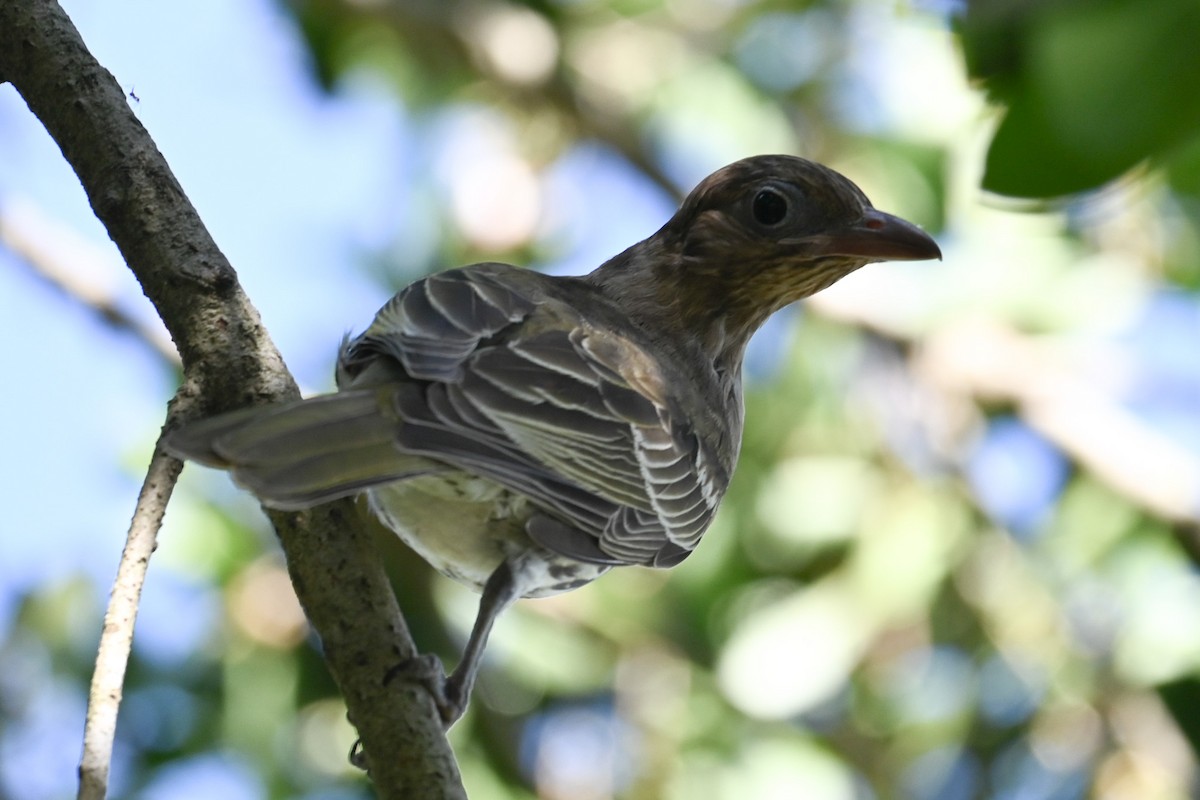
526	433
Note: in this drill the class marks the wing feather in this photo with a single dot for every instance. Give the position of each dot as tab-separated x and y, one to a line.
568	412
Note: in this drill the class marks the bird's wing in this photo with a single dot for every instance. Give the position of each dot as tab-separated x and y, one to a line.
576	417
433	326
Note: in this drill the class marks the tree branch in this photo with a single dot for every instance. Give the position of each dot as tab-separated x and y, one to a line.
112	656
229	361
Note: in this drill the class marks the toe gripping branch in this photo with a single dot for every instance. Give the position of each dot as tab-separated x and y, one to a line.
451	693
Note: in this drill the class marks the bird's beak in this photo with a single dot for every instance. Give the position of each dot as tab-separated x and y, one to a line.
877	236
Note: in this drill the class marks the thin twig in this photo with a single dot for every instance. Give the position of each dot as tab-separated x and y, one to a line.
56	254
112	657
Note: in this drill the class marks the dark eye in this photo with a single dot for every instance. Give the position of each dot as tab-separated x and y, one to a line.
769	207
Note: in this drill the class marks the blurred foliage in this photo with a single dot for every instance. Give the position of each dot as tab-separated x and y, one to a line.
1092	88
927	581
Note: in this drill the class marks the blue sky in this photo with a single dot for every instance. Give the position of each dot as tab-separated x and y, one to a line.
100	395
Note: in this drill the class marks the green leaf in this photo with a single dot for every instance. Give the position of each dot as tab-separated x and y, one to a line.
1099	87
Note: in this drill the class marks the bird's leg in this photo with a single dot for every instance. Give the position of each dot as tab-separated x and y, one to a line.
450	694
500	592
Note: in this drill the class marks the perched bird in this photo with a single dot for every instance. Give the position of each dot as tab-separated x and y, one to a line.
526	433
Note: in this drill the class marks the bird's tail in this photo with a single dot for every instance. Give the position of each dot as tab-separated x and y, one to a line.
295	455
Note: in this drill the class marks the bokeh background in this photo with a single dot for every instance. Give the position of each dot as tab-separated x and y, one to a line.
959	556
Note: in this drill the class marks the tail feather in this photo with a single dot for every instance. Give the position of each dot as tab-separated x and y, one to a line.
307	428
299	454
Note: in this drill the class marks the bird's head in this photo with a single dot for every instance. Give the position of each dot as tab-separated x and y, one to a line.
752	238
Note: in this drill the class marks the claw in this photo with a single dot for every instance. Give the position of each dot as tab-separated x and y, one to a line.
426	670
357	757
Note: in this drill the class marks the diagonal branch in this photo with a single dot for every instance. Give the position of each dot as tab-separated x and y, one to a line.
229	361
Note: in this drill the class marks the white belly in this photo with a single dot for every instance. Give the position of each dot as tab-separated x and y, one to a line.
464	526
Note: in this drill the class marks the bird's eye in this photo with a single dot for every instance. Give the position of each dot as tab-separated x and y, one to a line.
769	207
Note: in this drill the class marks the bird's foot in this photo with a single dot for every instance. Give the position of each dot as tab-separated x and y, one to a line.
447	692
425	670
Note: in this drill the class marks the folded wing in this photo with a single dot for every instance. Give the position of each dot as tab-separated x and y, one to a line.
574	415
